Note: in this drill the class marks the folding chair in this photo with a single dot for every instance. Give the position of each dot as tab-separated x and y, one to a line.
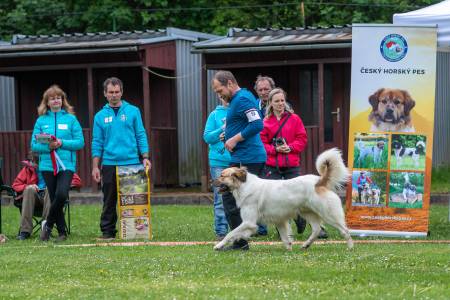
37	214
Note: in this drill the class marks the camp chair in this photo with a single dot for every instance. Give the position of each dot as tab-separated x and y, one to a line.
37	214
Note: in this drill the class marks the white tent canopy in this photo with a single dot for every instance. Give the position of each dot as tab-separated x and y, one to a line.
437	14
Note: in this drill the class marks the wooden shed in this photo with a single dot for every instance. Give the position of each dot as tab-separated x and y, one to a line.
160	74
312	65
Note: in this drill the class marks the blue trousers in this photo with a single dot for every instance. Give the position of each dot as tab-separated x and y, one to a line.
220	220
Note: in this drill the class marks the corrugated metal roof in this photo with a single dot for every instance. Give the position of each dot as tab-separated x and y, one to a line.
90	40
241	37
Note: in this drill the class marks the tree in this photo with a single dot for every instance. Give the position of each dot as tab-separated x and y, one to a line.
32	17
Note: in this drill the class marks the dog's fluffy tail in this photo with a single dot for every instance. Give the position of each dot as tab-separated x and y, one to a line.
331	168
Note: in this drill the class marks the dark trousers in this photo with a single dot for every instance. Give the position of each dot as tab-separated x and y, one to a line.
281	173
232	212
58	189
108	218
286	173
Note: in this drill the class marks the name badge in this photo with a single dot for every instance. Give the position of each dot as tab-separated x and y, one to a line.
62	126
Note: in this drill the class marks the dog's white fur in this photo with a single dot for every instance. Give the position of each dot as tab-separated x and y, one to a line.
278	201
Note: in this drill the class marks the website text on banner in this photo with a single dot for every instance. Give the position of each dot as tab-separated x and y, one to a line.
391	129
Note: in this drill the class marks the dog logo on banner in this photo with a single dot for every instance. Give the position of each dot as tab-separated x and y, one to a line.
393	47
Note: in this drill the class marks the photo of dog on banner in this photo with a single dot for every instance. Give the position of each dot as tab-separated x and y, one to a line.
370	151
368	188
391	110
406	190
408	152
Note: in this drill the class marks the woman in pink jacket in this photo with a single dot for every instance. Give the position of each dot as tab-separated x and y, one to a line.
284	138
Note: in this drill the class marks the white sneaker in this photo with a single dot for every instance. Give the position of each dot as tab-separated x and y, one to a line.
43	224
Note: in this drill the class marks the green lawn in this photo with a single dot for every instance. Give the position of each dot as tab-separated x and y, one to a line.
440	180
32	269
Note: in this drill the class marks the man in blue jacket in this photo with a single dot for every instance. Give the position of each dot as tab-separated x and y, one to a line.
243	125
118	139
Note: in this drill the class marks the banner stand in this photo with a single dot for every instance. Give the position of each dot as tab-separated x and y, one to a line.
391	122
405	234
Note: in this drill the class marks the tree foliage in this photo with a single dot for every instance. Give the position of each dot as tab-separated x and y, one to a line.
32	17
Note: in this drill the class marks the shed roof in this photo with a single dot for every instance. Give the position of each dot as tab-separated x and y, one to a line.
95	42
239	39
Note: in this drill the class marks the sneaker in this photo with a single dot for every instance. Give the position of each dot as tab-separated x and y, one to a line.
236	246
301	224
220	237
323	234
45	233
23	236
61	237
43	224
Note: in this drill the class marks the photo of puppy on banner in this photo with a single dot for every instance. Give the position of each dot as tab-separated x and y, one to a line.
370	151
408	152
406	190
369	188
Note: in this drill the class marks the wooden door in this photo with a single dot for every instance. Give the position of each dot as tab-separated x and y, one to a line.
336	105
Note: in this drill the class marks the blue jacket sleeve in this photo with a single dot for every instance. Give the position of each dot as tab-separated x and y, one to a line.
98	139
35	146
211	135
141	135
255	125
77	142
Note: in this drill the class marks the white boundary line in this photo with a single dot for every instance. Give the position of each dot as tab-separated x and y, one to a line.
269	243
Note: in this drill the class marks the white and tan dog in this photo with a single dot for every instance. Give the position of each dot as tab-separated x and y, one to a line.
278	201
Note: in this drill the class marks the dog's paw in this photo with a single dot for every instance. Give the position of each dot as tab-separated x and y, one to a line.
304	247
218	247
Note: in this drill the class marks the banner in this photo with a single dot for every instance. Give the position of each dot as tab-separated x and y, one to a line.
391	129
133	205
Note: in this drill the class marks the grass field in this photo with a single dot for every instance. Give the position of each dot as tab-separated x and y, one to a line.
440	180
33	269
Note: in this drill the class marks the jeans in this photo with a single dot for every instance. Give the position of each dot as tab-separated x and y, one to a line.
220	221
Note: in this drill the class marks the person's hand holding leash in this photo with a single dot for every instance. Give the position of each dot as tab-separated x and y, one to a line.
147	164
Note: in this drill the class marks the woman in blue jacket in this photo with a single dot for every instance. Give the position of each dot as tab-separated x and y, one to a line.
219	159
57	157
